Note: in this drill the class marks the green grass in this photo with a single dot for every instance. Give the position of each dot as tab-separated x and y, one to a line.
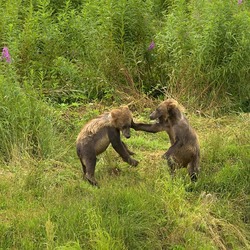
64	56
45	204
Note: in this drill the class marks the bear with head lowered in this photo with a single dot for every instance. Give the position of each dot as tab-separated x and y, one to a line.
98	134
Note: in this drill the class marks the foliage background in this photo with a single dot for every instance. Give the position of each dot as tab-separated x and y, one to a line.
81	50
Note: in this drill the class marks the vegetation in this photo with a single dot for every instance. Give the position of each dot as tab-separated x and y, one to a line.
79	50
46	204
70	61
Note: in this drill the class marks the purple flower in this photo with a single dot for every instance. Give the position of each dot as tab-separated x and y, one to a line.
151	46
6	54
240	2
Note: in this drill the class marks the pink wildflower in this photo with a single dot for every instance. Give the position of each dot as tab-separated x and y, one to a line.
240	2
6	55
151	46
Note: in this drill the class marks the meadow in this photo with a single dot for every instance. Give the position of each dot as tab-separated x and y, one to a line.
46	204
65	62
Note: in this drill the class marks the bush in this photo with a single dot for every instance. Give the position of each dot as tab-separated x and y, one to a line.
80	50
205	51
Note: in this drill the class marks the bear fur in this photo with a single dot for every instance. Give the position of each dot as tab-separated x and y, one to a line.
98	134
184	150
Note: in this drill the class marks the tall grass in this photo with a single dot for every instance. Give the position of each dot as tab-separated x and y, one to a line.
206	52
77	53
26	121
79	50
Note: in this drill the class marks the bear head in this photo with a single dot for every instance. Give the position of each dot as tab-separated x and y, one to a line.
121	119
165	110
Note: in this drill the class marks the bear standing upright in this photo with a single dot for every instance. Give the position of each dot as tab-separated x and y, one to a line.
96	136
184	149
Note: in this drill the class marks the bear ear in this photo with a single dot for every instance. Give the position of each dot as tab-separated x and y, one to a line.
114	114
125	108
124	111
171	104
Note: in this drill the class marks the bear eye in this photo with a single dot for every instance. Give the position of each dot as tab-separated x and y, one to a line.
158	110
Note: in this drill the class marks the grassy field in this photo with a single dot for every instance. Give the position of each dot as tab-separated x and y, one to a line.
64	60
45	204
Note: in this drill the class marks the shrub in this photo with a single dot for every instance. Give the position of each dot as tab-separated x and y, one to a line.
205	50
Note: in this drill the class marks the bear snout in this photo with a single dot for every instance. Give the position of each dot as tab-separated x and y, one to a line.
153	116
126	134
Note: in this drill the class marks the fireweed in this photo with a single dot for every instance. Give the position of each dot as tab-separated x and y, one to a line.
151	46
6	55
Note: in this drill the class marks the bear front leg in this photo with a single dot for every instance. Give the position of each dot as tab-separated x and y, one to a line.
129	151
150	128
118	145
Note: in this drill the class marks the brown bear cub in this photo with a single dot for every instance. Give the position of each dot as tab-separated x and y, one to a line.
184	149
96	136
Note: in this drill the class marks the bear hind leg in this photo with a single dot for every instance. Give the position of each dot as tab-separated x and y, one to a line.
171	164
193	170
90	170
83	168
